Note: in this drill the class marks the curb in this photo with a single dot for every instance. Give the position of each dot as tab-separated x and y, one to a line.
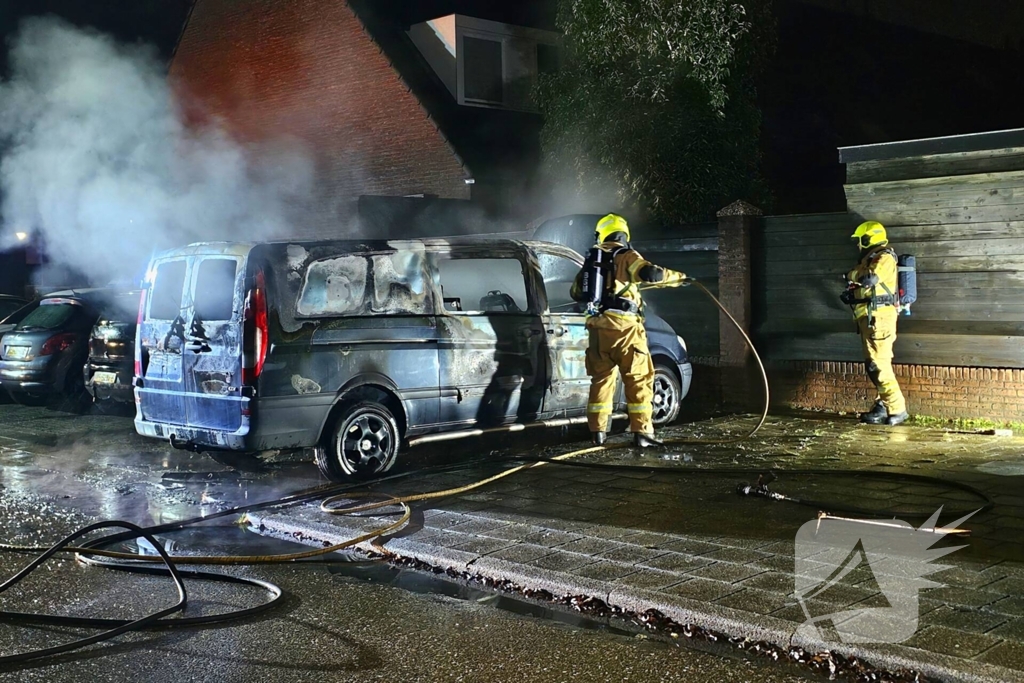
683	610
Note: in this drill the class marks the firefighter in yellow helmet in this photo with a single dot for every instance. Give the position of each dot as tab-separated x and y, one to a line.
618	340
873	294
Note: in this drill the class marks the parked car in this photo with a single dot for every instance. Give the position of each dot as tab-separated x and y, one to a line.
110	365
41	358
354	348
8	305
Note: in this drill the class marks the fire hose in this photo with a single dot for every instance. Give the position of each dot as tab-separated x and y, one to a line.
335	500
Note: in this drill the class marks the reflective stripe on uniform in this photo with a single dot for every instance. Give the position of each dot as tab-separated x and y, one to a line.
638	407
599	407
619	314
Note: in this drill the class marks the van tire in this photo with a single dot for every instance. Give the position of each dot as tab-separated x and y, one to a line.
667	397
363	443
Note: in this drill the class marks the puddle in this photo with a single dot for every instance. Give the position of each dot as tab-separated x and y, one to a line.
1003	468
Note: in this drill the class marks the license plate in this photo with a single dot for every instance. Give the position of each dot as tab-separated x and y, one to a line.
18	352
105	378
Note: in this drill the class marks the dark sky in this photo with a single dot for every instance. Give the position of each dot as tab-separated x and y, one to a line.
157	22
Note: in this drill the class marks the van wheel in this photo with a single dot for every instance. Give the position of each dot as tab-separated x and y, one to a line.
667	393
364	444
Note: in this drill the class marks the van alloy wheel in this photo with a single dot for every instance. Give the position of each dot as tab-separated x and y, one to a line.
665	404
364	443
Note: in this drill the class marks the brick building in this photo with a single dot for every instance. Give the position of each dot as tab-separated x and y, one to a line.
367	95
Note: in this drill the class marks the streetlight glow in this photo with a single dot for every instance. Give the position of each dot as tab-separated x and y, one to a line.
22	236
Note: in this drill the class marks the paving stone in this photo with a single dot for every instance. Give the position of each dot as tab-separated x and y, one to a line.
650	539
651	579
477	526
725	571
693	546
1012	606
562	562
753	600
513	532
445	520
481	546
551	537
950	641
776	582
738	555
676	562
606	571
967	597
609	533
972	620
1011	585
631	554
1011	629
590	546
966	578
1007	654
521	552
703	589
779	563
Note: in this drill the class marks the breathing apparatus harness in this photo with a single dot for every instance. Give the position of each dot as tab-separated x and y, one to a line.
597	280
906	294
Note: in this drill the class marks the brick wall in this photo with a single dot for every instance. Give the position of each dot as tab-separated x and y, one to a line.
307	72
944	392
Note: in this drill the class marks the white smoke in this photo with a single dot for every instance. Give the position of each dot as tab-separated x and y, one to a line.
94	156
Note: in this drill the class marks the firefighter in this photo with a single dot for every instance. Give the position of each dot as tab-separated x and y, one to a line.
618	340
873	294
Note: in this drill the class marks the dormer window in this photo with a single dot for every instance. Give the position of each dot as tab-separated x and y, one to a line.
486	63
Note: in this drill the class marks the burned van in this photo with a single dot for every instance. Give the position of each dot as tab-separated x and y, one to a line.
355	349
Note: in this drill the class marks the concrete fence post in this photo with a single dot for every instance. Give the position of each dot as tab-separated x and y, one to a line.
737	224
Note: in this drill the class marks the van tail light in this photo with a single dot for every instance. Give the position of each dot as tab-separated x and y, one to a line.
256	332
57	343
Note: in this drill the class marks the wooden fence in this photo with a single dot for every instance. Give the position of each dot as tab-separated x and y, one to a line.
965	224
692	249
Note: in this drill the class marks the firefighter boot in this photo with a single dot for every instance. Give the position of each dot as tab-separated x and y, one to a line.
898	418
877	415
598	438
641	440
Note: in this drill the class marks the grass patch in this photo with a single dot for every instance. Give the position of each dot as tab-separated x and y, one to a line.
966	424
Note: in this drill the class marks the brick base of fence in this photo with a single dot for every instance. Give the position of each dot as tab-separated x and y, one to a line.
943	392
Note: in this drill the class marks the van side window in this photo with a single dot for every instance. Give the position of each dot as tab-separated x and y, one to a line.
215	289
482	285
559	273
168	285
400	284
335	286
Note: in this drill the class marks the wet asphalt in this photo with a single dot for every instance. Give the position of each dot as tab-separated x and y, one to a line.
335	622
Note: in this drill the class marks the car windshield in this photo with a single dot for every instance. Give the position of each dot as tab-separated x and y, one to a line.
47	317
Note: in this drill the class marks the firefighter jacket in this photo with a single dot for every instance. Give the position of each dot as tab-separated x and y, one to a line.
626	274
883	296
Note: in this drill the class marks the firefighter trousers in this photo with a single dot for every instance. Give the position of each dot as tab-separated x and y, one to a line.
877	339
618	343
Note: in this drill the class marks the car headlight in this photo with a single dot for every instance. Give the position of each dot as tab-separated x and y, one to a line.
682	343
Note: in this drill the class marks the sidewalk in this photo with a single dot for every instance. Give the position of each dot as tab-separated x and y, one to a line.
690	547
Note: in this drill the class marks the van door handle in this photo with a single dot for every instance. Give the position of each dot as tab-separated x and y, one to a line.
196	346
558	331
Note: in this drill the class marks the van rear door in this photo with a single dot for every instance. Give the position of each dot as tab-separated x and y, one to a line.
212	349
161	394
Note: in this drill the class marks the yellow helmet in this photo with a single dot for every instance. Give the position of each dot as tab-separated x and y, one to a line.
609	225
869	234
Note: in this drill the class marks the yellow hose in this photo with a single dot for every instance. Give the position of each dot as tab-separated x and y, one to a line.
327	505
